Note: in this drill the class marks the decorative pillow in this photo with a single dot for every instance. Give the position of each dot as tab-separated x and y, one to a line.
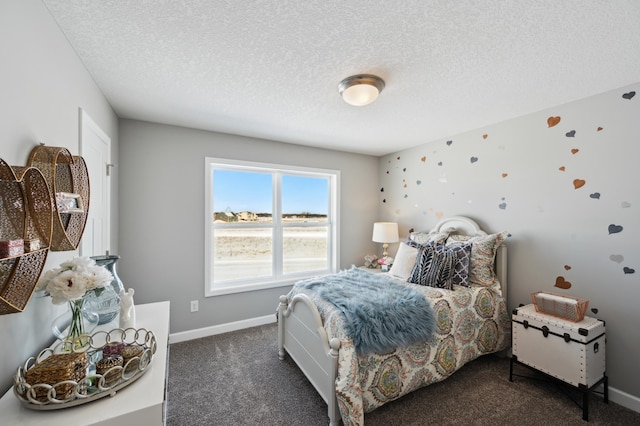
405	259
433	267
428	237
483	254
461	263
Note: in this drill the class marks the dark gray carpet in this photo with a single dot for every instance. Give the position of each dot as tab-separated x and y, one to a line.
237	379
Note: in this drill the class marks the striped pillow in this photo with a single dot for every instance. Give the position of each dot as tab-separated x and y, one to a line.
434	266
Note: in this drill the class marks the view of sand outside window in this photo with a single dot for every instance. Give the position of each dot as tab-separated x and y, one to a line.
241	253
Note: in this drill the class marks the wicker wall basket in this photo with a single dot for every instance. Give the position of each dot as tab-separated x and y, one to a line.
25	218
65	173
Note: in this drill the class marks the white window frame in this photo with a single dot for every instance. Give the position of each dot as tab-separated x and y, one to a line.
277	280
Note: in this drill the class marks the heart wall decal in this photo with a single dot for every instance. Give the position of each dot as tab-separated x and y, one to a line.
629	95
595	195
628	270
553	121
574	151
570	134
614	229
562	283
618	258
473	159
578	183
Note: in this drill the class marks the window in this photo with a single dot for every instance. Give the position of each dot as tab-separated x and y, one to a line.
267	225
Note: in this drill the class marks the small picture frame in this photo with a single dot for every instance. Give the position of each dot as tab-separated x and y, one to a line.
68	202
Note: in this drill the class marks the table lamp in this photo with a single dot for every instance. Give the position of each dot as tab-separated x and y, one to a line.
385	233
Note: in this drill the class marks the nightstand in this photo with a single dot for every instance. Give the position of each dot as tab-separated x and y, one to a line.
371	270
566	351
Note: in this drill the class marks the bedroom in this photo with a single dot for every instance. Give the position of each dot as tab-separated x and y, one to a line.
557	230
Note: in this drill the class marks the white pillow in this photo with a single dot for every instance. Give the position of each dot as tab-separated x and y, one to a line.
404	261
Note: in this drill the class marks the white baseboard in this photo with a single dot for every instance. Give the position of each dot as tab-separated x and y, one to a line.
221	328
626	400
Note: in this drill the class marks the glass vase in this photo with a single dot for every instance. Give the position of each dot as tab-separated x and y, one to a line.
75	324
107	303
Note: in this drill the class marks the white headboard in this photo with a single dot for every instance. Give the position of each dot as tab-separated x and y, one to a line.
465	226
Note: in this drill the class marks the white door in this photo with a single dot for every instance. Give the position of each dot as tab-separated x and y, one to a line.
95	148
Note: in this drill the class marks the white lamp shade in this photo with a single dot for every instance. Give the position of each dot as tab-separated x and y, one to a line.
385	232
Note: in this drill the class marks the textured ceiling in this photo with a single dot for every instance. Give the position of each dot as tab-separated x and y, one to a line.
270	68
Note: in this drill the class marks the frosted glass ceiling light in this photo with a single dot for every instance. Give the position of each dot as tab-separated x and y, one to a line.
361	89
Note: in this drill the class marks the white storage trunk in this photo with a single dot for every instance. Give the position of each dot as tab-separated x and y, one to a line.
573	352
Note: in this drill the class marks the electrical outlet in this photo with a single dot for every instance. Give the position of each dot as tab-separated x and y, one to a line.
194	306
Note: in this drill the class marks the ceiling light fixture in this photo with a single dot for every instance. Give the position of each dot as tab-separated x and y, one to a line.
361	89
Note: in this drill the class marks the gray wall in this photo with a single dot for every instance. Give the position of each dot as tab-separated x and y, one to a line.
517	185
43	84
162	215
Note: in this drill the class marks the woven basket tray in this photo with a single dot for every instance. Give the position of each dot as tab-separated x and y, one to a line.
58	378
55	369
561	306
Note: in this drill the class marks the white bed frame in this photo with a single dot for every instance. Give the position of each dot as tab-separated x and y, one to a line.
301	333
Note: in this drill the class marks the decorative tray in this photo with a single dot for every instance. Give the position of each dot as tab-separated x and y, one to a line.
66	375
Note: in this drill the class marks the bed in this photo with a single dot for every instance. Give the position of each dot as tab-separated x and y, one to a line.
470	320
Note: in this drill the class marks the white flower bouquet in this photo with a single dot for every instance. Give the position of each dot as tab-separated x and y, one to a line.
70	283
73	279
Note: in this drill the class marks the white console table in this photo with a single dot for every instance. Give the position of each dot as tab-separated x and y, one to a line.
141	403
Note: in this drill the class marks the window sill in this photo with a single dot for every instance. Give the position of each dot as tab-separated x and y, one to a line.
219	291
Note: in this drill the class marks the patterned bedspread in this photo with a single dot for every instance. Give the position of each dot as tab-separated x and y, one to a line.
469	322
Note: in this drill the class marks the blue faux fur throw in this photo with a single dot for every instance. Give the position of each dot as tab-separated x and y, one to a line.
380	314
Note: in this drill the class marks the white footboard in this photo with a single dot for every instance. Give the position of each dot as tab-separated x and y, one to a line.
302	335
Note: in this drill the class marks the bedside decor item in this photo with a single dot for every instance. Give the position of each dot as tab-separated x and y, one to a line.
55	379
371	261
25	215
385	263
107	303
385	233
127	309
561	306
69	283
